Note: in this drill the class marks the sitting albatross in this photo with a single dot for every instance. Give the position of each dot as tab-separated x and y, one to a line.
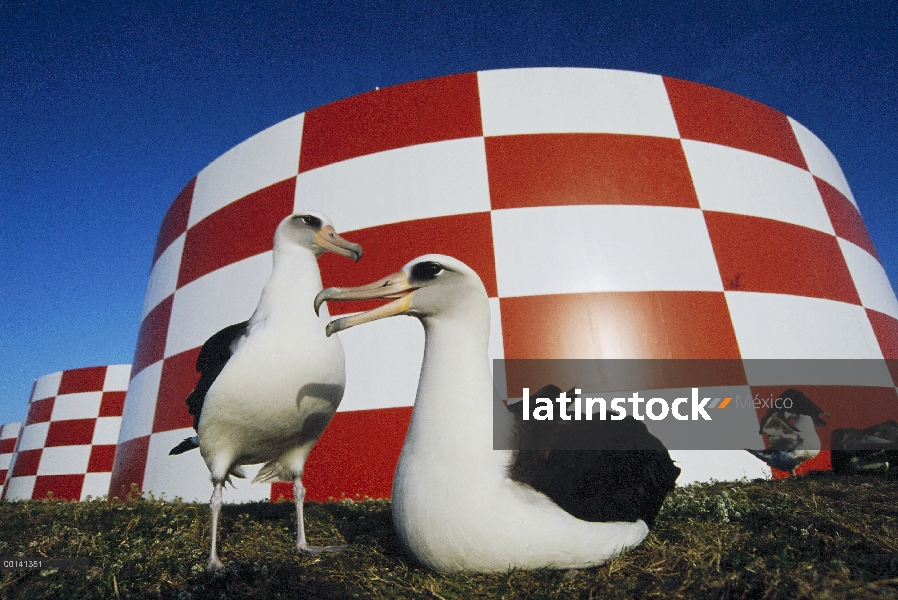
269	386
455	505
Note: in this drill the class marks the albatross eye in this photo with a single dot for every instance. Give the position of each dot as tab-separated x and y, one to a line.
311	221
426	271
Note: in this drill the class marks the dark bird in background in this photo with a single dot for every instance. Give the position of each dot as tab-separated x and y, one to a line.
791	432
865	450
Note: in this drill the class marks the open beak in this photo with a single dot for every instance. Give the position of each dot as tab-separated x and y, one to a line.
331	241
393	286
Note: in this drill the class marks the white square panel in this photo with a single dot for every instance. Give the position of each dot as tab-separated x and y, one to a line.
140	403
718	465
33	437
10	431
736	181
20	488
383	362
202	308
870	279
5	461
96	485
106	430
733	428
64	460
572	249
264	159
186	476
164	275
783	326
84	405
416	182
567	100
117	378
47	386
821	161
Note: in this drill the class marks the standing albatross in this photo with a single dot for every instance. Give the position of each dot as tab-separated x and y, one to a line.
456	506
269	386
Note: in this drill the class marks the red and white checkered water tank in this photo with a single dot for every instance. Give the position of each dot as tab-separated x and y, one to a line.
68	440
610	214
9	434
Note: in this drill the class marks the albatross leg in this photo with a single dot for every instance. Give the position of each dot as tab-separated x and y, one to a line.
299	493
215	506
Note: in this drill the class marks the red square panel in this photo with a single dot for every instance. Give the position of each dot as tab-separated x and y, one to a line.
175	221
101	458
764	255
281	490
711	115
40	411
467	237
151	336
112	404
74	432
7	446
128	467
845	217
357	455
27	462
63	487
3	474
239	230
886	330
563	169
82	380
179	377
445	108
619	325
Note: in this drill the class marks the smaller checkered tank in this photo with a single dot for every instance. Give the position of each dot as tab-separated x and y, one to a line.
66	446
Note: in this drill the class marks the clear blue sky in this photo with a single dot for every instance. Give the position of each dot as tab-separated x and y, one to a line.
107	109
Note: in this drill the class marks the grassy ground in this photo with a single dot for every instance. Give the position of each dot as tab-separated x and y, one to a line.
819	536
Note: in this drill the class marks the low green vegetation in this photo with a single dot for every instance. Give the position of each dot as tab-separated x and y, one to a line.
821	536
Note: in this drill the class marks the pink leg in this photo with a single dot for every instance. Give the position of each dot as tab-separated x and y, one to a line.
299	493
215	506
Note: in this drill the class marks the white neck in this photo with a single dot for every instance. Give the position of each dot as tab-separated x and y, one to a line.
291	289
453	407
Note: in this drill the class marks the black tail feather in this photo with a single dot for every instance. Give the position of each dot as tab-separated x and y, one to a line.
185	446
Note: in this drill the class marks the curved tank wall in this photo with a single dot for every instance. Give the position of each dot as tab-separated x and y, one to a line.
67	442
9	434
628	215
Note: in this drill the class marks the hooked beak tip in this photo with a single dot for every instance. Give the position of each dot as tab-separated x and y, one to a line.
320	299
333	327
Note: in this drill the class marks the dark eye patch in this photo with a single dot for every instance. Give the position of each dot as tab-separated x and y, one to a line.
310	220
426	271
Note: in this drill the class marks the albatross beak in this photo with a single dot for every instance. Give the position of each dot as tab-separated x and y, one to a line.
392	286
331	241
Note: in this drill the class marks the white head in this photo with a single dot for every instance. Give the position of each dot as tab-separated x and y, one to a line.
314	231
432	285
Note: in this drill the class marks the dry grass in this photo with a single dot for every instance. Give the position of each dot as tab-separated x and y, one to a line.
819	536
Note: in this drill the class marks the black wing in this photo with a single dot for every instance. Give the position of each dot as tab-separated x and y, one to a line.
616	471
213	357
